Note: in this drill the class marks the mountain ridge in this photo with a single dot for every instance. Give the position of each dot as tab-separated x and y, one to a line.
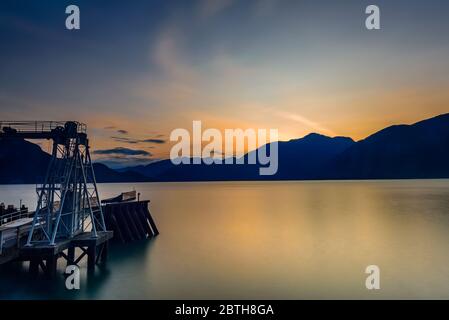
418	150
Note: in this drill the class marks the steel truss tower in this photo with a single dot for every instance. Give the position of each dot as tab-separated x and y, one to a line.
68	201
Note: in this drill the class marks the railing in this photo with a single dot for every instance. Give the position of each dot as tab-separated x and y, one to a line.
10	237
13	216
38	126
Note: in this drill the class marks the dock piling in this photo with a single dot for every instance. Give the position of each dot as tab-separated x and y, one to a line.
130	221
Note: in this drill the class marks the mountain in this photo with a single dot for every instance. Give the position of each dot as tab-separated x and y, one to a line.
152	170
23	162
105	174
297	159
420	150
304	158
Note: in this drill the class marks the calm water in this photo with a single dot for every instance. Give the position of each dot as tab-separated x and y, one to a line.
252	240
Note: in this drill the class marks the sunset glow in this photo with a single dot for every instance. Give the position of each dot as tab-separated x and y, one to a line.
135	74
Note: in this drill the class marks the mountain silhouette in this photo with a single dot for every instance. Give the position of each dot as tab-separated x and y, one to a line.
23	162
304	158
298	159
420	150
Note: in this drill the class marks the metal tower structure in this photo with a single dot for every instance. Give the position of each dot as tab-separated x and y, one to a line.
68	202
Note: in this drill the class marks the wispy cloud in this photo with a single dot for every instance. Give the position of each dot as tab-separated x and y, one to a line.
125	140
210	8
122	151
307	122
122	161
157	141
136	141
264	7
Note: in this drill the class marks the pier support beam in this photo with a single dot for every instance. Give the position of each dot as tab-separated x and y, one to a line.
104	253
70	256
91	258
46	257
51	265
34	266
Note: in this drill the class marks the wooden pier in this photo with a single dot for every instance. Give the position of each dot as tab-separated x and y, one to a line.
46	256
127	221
68	202
13	237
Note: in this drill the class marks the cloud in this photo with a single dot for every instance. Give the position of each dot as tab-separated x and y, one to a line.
125	140
209	8
157	141
264	8
122	151
122	131
116	162
136	141
179	84
307	122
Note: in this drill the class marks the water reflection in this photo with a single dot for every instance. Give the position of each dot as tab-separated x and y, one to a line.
272	240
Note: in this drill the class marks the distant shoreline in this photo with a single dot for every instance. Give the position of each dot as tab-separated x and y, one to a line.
262	181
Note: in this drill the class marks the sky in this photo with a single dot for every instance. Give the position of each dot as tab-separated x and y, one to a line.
137	70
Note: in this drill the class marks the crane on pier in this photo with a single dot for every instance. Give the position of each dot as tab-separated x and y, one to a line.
68	201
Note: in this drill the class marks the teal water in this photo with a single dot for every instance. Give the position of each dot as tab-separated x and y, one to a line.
275	240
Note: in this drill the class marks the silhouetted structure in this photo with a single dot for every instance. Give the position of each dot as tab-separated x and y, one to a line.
68	213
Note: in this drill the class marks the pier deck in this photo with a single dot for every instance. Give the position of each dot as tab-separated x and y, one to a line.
11	236
81	240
